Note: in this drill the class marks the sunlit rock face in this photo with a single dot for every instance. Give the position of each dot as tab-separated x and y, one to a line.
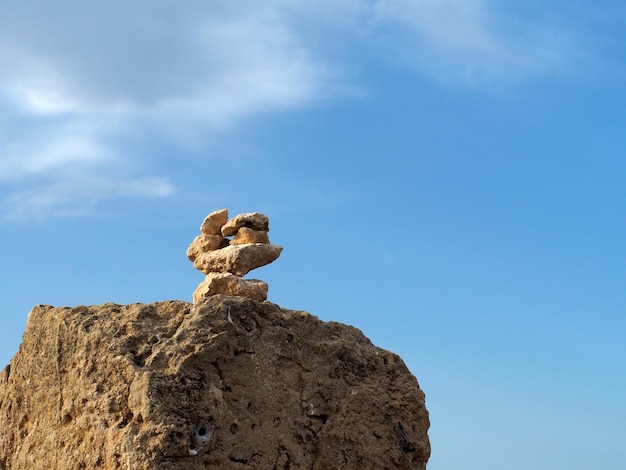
228	383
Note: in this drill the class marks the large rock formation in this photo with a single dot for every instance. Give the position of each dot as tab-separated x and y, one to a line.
230	383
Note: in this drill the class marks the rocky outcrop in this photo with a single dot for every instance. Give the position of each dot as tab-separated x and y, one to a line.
230	383
216	256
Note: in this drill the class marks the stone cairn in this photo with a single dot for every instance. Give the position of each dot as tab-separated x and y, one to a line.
225	260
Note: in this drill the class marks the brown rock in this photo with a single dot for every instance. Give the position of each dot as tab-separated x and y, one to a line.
205	243
247	235
171	387
212	224
253	220
229	284
237	259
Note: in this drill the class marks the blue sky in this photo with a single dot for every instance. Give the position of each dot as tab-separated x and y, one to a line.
446	175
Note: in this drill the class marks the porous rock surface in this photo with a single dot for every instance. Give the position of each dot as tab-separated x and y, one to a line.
230	383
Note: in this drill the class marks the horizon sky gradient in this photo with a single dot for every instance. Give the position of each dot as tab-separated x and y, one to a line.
448	176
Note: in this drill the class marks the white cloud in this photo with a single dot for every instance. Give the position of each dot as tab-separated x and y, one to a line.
463	42
475	41
78	76
77	197
66	150
41	96
447	25
80	73
259	67
138	59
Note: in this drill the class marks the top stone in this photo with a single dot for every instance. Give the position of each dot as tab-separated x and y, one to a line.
213	222
253	220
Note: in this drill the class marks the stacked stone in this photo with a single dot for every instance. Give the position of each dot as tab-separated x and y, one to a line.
226	260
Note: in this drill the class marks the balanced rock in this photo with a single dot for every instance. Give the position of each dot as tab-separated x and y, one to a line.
212	224
212	253
229	284
253	220
237	259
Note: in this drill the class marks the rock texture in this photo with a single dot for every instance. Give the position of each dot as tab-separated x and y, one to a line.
237	259
219	283
212	253
227	384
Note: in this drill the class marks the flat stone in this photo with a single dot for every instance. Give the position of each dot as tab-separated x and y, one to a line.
237	259
229	284
212	224
205	243
247	235
253	220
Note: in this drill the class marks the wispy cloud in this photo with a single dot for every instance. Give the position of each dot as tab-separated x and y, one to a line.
476	41
77	197
56	150
78	75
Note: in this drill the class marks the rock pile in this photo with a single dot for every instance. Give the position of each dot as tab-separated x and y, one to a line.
225	260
